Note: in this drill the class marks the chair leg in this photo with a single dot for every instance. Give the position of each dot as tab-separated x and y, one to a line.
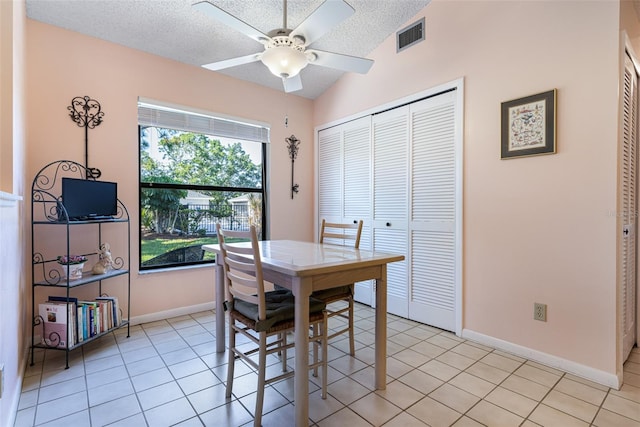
325	365
352	347
315	348
283	353
232	358
262	361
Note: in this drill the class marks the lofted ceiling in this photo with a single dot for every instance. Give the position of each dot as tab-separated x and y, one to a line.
174	30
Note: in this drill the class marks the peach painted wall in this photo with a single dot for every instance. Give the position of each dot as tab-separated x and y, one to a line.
63	64
536	229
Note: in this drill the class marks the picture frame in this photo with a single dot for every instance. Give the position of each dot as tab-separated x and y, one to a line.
528	126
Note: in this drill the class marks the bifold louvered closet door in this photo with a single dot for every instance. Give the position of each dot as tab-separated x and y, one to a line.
409	203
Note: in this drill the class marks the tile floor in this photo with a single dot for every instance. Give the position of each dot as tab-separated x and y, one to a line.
167	373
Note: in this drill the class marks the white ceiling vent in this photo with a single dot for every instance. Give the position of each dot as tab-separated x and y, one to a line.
410	35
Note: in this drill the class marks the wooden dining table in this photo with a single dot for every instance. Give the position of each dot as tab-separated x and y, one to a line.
304	267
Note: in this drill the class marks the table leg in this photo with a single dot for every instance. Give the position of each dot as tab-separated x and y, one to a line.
301	291
381	330
220	335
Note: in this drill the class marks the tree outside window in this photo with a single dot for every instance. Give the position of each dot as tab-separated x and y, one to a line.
189	182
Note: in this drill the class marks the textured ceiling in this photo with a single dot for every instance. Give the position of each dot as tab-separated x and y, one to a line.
173	29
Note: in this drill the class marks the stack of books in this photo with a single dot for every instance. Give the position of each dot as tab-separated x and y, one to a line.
69	321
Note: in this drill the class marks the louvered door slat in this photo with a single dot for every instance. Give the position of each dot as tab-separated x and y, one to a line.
329	173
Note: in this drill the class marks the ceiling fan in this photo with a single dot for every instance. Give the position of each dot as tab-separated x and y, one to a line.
285	50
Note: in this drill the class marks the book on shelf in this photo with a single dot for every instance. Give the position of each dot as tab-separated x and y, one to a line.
57	324
115	310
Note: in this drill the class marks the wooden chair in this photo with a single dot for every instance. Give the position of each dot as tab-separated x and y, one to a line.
343	234
259	315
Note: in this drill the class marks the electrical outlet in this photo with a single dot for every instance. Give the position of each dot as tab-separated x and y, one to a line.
539	312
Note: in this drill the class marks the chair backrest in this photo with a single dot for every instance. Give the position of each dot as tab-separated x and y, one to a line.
345	232
242	267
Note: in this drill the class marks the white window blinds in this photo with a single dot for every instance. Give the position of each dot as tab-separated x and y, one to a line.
164	116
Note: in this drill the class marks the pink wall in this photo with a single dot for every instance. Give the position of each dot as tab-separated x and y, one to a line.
536	229
63	64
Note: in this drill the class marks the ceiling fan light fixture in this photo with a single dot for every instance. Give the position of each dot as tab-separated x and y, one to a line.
284	61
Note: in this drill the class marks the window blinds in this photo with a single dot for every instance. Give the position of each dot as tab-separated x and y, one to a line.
150	114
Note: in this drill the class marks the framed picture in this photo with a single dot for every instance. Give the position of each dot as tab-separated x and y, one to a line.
529	125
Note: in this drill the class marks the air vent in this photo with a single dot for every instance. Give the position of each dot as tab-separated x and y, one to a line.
410	35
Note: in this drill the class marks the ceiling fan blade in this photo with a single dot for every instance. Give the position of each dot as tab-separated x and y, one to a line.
292	84
341	62
325	17
227	63
231	21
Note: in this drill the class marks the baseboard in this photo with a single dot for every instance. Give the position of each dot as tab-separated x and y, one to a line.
174	312
15	397
577	369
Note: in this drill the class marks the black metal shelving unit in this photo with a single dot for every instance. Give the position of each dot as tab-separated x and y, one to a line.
48	215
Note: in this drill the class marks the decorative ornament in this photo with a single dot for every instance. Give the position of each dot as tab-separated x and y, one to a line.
105	261
87	113
293	144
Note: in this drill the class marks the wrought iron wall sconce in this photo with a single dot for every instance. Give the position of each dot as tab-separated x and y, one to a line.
87	113
293	144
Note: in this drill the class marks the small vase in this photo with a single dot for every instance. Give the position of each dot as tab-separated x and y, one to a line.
73	271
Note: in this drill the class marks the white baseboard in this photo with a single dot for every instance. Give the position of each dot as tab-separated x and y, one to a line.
577	369
174	312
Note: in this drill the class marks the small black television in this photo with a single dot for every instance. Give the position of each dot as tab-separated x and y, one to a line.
85	199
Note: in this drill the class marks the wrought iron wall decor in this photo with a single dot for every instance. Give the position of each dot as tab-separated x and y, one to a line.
87	113
293	144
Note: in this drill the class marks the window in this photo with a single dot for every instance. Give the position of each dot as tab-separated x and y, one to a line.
196	170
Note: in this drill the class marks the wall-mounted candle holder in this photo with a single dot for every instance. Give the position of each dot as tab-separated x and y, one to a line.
293	144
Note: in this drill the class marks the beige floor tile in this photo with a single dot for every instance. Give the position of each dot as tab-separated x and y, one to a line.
610	419
632	379
405	420
510	356
454	397
491	415
396	368
400	394
443	341
434	413
501	362
472	384
428	349
581	391
570	405
456	360
342	418
632	367
439	370
511	401
525	387
544	367
537	375
412	357
404	340
375	409
487	373
547	416
628	392
622	406
470	351
347	390
320	408
421	381
586	382
467	422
